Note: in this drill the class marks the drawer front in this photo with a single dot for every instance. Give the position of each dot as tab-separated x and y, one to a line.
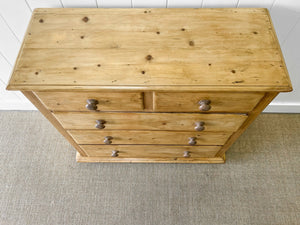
206	102
77	101
150	151
149	137
150	121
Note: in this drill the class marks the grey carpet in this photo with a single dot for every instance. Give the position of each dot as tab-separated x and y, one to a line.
42	184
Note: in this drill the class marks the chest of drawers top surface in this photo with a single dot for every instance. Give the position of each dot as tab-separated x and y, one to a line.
150	49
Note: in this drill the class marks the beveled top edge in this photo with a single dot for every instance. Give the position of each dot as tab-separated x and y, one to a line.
188	88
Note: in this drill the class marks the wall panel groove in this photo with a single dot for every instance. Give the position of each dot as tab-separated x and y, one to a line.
9	44
62	5
272	5
12	32
44	4
289	33
28	5
17	15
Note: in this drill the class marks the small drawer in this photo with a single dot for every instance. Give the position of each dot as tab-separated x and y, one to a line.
92	101
206	102
150	151
149	137
150	121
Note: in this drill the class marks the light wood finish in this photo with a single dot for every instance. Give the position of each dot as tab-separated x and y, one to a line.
209	49
252	115
156	74
148	101
151	121
35	101
92	56
96	159
149	137
150	85
150	151
76	101
220	102
164	88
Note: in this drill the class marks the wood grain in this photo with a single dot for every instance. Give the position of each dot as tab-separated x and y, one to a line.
251	117
35	101
89	57
149	137
232	74
160	88
148	100
150	151
152	47
220	102
76	101
83	159
150	121
146	19
68	38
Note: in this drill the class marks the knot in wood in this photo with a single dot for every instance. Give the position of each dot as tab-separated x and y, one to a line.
85	19
149	57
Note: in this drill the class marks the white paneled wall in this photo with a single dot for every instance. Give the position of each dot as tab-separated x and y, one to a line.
44	3
79	3
185	4
255	3
114	3
149	4
219	3
15	15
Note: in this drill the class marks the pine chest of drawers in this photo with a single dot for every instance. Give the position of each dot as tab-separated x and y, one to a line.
150	85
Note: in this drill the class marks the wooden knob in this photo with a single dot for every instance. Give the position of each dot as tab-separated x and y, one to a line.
91	104
100	124
107	140
204	105
186	154
192	141
114	153
199	126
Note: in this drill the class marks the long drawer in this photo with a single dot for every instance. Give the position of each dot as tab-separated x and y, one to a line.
87	101
150	121
149	137
150	151
206	101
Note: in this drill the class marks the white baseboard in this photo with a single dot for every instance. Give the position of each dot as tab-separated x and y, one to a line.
283	108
